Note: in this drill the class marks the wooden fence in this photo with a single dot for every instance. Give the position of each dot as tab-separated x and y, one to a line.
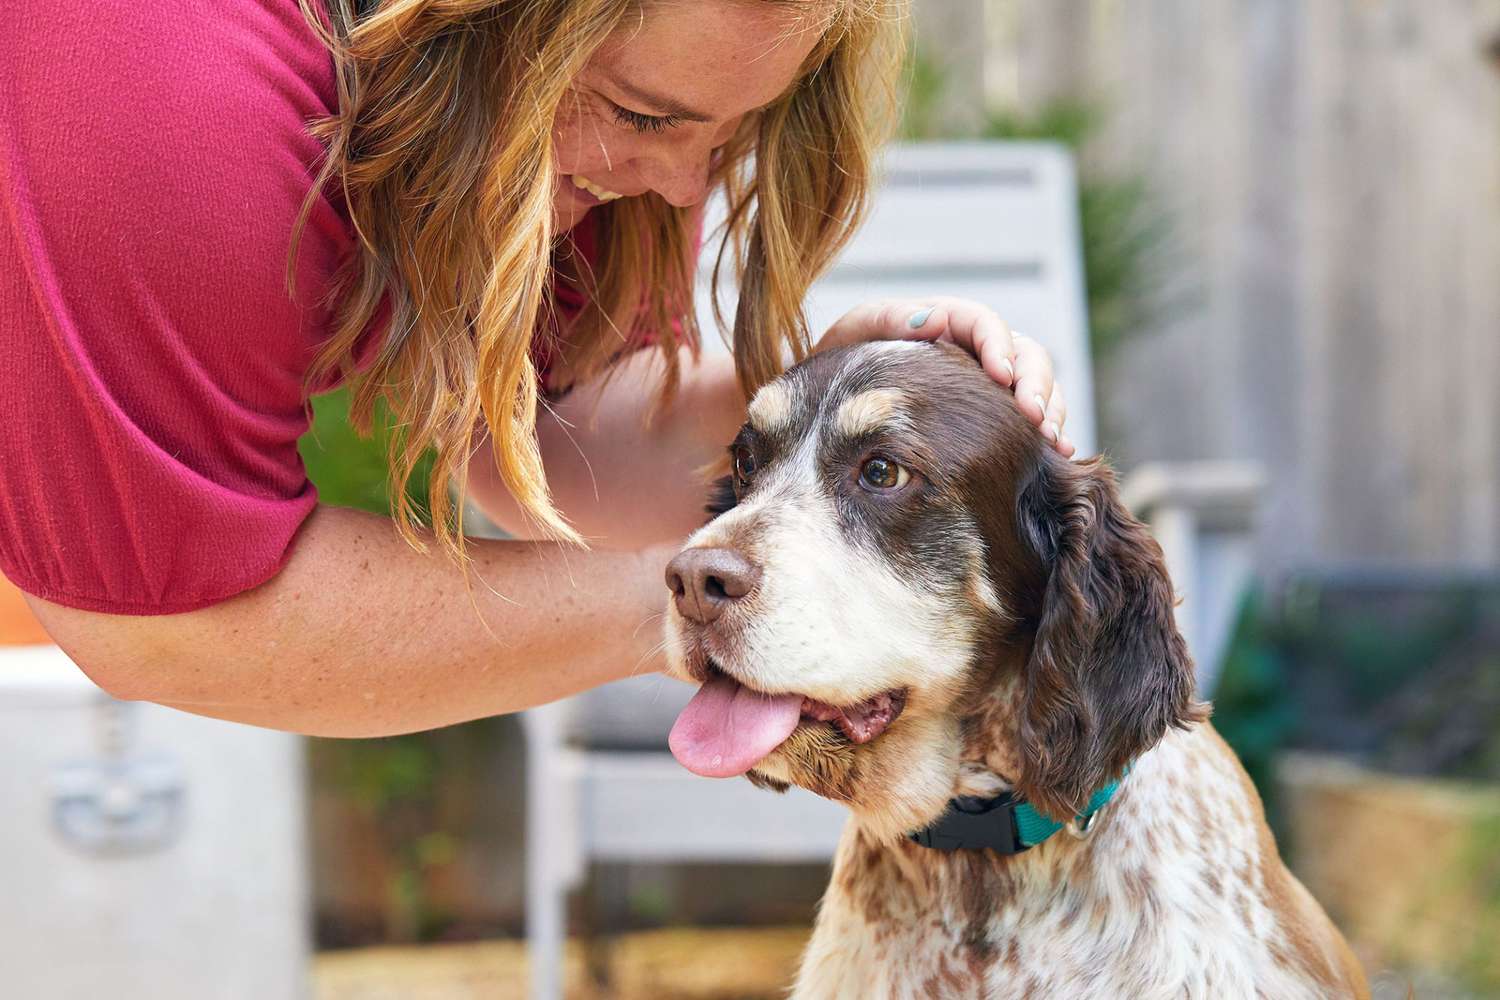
1331	173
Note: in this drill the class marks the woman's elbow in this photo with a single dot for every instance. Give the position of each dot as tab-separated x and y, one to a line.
130	658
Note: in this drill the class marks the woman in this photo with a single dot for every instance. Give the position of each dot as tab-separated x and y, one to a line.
505	186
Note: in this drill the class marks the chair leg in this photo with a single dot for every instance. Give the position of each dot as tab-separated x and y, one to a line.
546	889
546	901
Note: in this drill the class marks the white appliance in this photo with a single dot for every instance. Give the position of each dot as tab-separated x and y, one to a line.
144	852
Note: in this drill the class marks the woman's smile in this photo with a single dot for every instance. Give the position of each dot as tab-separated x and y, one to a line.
599	192
584	192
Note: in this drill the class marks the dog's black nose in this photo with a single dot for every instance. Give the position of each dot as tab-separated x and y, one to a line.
706	581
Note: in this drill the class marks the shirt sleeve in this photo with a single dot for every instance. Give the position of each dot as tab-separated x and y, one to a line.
153	163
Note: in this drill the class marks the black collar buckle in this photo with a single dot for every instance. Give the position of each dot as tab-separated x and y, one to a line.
975	824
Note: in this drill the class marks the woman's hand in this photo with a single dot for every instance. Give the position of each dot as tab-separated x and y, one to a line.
1013	360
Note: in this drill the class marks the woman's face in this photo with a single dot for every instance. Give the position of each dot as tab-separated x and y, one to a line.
666	90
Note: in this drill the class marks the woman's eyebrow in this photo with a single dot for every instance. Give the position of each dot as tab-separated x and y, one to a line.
659	104
668	106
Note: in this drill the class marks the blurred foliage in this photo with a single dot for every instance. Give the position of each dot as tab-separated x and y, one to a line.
1123	229
411	799
349	469
1251	708
392	783
1399	673
926	85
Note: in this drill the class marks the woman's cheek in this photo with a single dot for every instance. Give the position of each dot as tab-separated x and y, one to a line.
578	140
566	147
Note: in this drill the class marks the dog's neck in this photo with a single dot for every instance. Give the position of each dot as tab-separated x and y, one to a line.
987	811
990	758
884	878
913	871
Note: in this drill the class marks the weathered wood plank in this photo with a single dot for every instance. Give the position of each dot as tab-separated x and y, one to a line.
1332	172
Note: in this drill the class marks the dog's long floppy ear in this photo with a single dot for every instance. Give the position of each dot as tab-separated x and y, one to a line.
1108	673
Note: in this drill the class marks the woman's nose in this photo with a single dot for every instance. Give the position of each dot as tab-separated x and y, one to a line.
680	176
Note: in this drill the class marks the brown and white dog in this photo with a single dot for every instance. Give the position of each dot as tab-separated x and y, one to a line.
908	597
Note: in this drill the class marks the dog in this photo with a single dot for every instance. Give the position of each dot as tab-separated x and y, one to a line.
907	602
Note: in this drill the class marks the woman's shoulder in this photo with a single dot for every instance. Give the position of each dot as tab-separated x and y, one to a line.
156	158
164	146
153	73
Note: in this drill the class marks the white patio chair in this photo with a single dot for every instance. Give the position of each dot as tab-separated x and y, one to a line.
1203	515
996	222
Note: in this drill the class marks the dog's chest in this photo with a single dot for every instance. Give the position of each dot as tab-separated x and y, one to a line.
1103	942
1156	905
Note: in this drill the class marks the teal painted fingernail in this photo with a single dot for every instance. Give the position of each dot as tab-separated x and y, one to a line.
918	318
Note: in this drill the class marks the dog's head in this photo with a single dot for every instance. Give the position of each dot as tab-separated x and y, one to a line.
903	578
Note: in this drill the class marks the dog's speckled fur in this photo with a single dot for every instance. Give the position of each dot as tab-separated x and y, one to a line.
1028	618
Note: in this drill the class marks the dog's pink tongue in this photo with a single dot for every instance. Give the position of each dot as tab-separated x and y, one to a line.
727	729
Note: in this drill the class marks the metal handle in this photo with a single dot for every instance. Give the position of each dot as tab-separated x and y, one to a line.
118	807
122	803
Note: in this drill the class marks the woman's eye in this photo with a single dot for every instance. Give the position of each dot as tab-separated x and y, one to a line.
644	123
883	474
744	463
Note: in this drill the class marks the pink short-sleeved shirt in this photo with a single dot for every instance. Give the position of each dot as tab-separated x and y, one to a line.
153	159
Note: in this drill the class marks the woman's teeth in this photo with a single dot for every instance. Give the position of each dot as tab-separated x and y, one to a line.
598	192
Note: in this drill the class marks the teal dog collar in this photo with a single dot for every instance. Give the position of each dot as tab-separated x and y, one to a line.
1006	824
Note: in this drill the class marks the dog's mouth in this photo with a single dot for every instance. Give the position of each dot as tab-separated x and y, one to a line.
728	728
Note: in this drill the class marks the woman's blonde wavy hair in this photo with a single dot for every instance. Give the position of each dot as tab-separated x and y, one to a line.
442	147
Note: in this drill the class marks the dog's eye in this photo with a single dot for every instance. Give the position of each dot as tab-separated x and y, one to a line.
744	463
883	474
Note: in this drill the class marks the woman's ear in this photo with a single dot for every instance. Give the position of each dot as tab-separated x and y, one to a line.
1108	674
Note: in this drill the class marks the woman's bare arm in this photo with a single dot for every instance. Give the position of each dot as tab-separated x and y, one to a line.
621	483
360	635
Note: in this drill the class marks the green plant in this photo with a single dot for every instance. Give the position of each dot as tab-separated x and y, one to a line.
1251	708
349	468
1480	869
926	83
393	782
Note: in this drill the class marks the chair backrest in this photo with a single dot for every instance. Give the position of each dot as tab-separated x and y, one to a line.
991	221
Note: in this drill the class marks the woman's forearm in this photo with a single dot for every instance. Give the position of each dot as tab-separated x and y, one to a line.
620	482
360	635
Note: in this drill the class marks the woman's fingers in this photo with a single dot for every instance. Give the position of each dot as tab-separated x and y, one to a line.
904	319
921	320
1057	410
970	325
1033	379
986	336
1052	427
1012	360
